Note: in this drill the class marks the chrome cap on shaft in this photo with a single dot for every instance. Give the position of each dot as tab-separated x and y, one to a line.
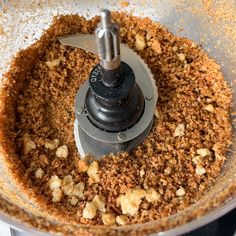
108	42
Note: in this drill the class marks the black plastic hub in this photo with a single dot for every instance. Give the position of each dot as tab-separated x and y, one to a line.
114	102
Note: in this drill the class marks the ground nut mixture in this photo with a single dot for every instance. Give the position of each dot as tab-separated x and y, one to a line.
169	171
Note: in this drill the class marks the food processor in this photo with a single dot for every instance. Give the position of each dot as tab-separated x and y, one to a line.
211	24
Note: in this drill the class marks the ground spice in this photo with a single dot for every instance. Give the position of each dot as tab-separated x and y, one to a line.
165	163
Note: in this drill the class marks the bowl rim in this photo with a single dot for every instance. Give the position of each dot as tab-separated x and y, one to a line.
212	215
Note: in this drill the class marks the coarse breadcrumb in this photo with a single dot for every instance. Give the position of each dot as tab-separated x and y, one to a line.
209	108
156	46
57	195
152	195
181	56
54	182
180	192
90	210
28	144
179	131
200	170
108	219
140	42
82	166
39	173
52	144
93	173
99	203
130	201
122	220
203	152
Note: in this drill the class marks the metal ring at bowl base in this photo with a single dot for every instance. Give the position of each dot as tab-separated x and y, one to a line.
88	145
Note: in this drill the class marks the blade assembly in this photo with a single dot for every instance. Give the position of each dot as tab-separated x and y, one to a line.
114	108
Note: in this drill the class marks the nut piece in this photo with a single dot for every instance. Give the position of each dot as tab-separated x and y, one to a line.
156	113
67	185
142	172
130	201
175	48
180	192
90	210
73	201
99	203
217	149
200	170
140	42
52	144
54	182
54	185
196	159
28	144
152	195
82	166
148	36
62	151
79	190
181	56
122	220
179	131
167	170
209	108
156	46
204	152
108	219
39	173
70	189
53	63
145	186
94	176
57	195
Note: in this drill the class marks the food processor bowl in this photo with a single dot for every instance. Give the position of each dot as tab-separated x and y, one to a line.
211	24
